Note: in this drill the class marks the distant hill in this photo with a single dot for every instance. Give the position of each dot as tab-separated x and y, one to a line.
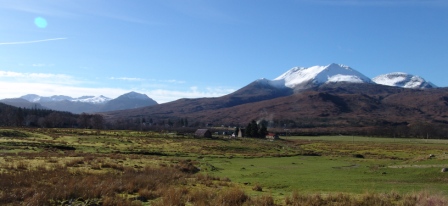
19	102
129	100
84	104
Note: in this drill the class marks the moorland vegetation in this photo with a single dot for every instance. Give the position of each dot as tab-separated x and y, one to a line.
104	167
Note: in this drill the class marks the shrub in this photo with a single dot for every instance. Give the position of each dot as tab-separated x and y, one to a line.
265	200
358	156
173	197
187	167
231	197
257	188
201	197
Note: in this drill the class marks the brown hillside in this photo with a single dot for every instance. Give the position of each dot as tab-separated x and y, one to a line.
330	106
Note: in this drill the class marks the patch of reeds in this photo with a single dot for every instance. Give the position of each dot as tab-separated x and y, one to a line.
367	199
42	186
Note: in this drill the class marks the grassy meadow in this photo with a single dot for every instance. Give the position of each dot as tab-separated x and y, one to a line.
93	167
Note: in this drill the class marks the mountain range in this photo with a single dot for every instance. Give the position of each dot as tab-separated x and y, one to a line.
301	78
87	104
331	98
325	97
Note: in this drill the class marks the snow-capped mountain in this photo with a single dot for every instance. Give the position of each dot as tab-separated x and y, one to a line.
88	104
303	78
92	99
31	97
37	98
400	79
56	98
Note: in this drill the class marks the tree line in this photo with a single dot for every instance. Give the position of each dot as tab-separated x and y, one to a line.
35	117
22	117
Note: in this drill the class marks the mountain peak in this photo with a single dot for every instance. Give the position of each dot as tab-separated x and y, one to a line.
129	100
317	75
31	97
134	95
405	80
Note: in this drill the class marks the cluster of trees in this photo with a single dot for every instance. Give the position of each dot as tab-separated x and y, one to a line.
19	117
147	123
90	121
421	130
254	129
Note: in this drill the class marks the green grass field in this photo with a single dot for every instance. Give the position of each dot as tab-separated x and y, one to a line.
401	165
323	165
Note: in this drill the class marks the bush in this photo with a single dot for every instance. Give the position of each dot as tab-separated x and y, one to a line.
257	188
358	156
231	197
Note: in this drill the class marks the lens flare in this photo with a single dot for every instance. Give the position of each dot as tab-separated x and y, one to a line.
40	22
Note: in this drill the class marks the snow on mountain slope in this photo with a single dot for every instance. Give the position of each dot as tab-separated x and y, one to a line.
400	79
31	97
317	75
92	99
57	98
37	98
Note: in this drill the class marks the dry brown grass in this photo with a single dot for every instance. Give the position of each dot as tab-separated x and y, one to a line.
83	177
40	186
423	198
231	196
265	200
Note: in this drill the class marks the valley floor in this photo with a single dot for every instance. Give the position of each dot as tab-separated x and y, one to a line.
98	167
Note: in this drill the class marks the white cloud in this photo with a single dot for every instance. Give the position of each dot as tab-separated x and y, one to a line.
171	81
47	84
163	95
42	65
126	78
37	77
31	42
16	89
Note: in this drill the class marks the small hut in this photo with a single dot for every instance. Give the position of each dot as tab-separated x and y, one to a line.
241	132
203	133
272	136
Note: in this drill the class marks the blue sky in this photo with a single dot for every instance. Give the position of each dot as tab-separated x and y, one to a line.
171	49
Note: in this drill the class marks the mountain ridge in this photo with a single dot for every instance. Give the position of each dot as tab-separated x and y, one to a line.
321	97
295	80
87	99
318	75
401	79
334	106
83	104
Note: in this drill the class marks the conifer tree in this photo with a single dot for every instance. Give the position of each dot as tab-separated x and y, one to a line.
247	130
254	129
263	131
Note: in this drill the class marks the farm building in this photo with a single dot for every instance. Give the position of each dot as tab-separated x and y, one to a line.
272	136
203	133
241	132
